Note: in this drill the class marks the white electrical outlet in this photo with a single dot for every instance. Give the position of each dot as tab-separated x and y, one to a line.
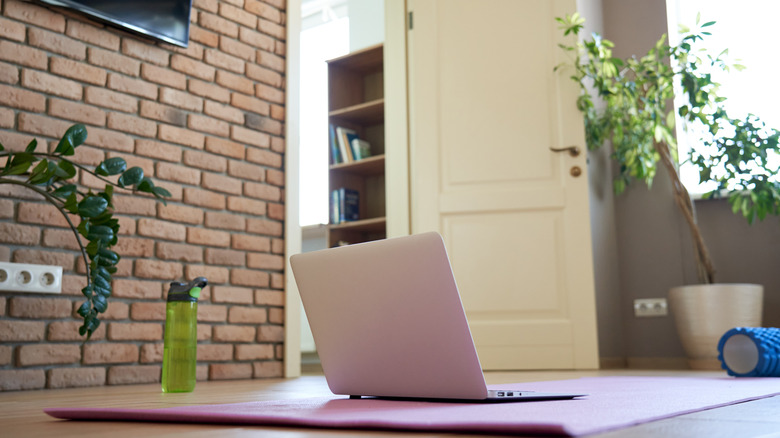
650	307
23	277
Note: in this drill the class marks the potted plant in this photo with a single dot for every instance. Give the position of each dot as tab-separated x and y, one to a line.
89	214
637	116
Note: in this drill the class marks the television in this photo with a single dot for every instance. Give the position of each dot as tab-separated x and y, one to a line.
163	20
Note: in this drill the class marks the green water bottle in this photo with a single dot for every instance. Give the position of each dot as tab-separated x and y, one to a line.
181	336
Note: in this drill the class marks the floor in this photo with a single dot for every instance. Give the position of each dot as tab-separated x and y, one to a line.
21	413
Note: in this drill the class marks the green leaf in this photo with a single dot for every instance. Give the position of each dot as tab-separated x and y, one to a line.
40	173
92	206
75	136
709	23
131	176
100	303
64	191
65	170
108	257
146	185
71	204
161	192
100	233
84	309
31	146
111	166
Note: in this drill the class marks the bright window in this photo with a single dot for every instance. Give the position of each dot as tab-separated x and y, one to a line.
747	28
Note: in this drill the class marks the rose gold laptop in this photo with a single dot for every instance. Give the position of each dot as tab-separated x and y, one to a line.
387	321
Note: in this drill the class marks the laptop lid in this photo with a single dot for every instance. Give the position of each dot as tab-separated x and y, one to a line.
388	321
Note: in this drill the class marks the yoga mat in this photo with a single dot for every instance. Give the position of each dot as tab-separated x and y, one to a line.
612	403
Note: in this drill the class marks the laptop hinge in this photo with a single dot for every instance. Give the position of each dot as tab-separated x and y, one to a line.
354	397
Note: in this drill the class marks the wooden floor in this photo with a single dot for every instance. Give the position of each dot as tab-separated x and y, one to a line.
21	413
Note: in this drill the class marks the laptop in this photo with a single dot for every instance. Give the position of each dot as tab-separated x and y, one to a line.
388	322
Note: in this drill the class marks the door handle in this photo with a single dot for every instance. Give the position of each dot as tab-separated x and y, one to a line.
574	151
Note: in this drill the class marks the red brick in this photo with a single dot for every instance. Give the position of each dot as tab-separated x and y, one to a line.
206	5
181	136
72	284
238	15
224	61
135	331
249	103
6	208
228	294
254	352
244	170
148	290
212	313
133	374
181	99
275	177
203	36
218	24
126	226
12	30
225	221
264	75
78	71
180	213
224	112
277	145
269	93
161	229
221	183
163	76
193	49
225	147
271	28
233	333
77	112
280	48
109	139
42	214
144	51
249	277
55	258
264	124
276	316
262	191
263	10
215	274
179	252
229	371
264	227
174	172
155	149
249	136
6	354
93	35
277	282
202	236
250	243
214	352
193	67
247	315
23	55
237	49
69	331
134	247
113	61
22	99
256	39
134	161
124	204
276	211
76	377
60	239
208	125
265	297
205	161
245	205
15	380
10	75
267	369
277	113
270	333
57	43
21	331
46	354
111	99
156	269
209	90
204	198
136	87
152	353
265	261
116	310
35	14
39	308
235	82
264	157
224	257
110	353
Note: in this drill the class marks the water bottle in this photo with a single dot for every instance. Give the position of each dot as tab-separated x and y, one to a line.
181	336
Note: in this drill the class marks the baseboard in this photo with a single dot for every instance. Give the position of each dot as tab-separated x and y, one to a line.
612	363
658	363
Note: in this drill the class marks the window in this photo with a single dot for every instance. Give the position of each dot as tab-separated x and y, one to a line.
748	30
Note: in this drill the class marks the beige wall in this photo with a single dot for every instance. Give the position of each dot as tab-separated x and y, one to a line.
205	122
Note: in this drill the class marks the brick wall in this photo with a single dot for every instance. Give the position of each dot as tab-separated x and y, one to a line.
206	122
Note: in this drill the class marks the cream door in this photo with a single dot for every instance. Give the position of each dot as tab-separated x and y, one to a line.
485	108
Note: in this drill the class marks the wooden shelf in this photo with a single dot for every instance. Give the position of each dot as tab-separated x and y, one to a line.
366	166
368	113
373	225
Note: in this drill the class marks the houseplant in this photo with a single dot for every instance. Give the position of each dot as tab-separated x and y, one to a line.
633	109
89	214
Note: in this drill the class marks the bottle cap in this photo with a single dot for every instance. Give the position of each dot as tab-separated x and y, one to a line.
186	291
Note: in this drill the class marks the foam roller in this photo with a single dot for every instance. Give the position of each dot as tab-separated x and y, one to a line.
750	352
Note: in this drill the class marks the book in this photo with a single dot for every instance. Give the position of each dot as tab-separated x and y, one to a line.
335	153
344	136
344	205
360	148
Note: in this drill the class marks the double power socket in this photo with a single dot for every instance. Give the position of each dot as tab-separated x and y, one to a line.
23	277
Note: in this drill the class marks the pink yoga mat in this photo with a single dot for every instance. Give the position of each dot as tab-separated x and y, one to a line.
612	403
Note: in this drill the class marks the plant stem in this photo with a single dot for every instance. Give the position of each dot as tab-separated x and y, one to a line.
704	268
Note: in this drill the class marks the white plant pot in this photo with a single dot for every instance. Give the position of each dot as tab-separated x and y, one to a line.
704	312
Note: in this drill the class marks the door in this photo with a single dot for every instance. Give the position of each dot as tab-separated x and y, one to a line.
485	109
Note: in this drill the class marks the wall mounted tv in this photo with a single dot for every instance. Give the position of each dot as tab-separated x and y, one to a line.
164	20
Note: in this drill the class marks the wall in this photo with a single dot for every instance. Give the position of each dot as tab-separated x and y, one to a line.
205	122
653	241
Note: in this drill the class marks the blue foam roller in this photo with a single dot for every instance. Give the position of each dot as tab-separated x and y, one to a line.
750	352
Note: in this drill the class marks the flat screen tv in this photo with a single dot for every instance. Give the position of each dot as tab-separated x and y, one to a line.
164	20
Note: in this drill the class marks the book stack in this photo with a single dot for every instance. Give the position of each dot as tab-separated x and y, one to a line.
344	205
346	146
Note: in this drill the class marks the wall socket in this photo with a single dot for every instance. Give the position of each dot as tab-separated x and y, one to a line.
650	307
23	277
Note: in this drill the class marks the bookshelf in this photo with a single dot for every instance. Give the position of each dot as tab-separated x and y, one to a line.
356	104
